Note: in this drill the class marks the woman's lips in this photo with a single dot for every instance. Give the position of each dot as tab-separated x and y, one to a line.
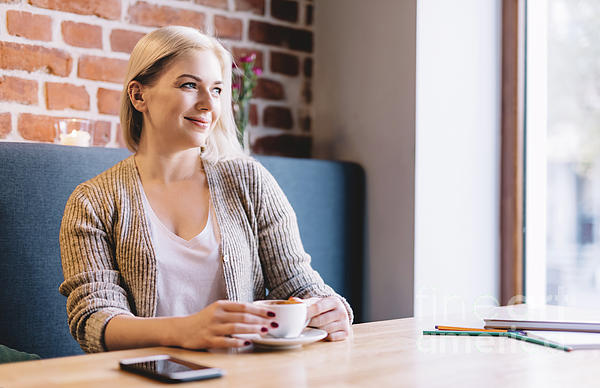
202	123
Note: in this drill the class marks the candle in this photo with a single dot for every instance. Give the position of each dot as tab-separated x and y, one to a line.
76	138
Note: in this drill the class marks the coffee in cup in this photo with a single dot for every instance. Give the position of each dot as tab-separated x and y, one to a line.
291	316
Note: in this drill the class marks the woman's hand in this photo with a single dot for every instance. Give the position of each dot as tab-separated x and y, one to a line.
329	314
213	326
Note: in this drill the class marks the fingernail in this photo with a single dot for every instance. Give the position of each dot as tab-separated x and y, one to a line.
264	329
247	343
274	324
271	313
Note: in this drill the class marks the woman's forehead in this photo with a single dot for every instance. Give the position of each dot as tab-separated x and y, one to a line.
197	62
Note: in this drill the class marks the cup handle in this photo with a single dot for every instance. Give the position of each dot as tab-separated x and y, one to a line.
306	323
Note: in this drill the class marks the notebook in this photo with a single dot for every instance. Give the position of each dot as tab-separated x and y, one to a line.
538	318
568	339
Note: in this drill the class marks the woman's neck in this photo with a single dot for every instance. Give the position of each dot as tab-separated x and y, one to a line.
168	166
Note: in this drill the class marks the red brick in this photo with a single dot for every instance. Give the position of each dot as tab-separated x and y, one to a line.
28	25
43	128
223	4
64	96
285	63
253	115
240	52
33	58
5	125
101	133
107	9
284	10
309	15
146	14
82	34
229	28
108	101
37	127
255	6
276	35
19	90
284	145
102	69
269	90
305	123
307	92
278	117
124	41
308	67
119	138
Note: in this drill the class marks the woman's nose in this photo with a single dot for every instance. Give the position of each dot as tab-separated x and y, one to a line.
205	101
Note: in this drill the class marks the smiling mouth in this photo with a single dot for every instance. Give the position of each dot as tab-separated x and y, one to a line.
203	124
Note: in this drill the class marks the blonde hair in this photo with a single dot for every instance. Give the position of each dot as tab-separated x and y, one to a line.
150	57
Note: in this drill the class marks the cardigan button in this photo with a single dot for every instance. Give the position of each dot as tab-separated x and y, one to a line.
225	258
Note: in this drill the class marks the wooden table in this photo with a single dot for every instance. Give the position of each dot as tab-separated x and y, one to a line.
380	354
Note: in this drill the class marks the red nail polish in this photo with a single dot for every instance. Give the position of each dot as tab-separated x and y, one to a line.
247	343
264	329
274	324
271	314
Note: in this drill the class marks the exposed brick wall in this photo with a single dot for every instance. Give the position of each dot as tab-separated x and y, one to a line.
67	59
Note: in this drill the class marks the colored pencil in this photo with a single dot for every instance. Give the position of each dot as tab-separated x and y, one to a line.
452	328
509	334
466	333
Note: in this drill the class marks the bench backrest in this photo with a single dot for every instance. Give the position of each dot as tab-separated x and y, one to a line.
36	180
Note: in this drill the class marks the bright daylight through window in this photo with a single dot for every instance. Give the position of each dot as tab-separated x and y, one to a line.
562	216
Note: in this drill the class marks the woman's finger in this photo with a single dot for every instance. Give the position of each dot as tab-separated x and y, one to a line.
327	318
336	326
238	328
324	305
228	317
337	336
228	342
237	307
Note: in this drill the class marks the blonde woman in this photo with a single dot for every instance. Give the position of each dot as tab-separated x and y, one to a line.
171	245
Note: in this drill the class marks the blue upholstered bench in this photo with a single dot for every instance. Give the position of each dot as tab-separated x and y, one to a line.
36	180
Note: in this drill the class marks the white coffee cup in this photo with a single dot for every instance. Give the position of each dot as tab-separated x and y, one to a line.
291	317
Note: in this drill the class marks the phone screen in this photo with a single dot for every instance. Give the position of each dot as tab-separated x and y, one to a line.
168	366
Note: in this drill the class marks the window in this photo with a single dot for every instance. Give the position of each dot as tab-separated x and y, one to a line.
562	152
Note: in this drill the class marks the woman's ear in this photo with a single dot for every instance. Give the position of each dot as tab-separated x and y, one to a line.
134	91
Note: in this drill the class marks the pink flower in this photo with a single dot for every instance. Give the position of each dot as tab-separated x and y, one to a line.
257	70
237	86
248	58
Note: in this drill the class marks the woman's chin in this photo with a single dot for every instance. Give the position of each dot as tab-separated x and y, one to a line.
197	140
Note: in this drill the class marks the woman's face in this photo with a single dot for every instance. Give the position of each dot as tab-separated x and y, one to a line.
182	107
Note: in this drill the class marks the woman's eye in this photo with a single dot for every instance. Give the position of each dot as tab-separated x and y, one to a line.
189	85
217	91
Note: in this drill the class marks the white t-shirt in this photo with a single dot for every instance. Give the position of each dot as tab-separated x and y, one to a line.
189	273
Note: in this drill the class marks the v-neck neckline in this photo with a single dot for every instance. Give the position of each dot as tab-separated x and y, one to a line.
143	198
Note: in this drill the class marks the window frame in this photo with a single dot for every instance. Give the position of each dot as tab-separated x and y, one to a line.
512	185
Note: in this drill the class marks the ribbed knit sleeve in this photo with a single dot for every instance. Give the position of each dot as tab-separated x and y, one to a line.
286	265
92	281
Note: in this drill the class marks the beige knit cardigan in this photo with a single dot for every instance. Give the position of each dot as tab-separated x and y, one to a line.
109	262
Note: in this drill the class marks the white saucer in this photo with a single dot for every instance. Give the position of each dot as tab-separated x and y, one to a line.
308	336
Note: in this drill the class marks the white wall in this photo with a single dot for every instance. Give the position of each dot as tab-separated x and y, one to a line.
457	154
365	110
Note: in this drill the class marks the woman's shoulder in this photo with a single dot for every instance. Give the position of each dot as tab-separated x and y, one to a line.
247	172
248	168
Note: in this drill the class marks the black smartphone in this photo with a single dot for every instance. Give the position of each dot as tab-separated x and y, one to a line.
170	369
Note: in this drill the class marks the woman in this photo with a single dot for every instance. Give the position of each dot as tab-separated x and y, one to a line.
171	246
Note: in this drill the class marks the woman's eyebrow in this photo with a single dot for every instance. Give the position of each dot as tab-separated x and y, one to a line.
196	78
